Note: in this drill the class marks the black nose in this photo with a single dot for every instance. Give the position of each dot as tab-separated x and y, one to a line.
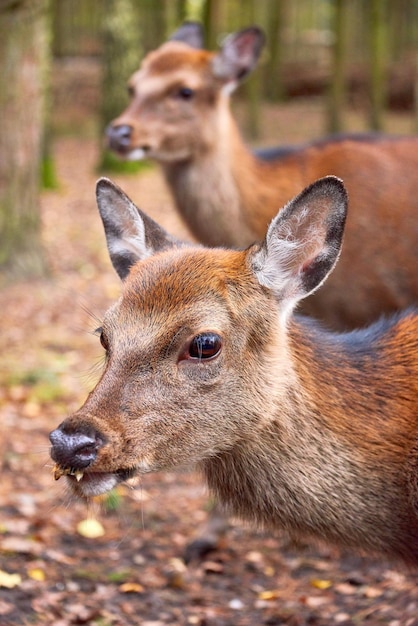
119	137
76	449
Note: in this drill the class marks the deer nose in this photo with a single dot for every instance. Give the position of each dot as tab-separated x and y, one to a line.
119	137
76	449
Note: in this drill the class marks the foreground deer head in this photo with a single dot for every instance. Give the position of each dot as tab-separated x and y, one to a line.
207	366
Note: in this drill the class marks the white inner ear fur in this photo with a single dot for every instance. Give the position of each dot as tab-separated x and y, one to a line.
132	244
274	269
124	214
278	265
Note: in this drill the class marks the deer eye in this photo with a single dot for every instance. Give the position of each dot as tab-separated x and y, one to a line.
204	346
102	337
185	93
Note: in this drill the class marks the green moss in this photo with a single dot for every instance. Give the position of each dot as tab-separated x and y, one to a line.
111	163
49	178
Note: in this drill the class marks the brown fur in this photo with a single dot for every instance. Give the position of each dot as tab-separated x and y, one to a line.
227	196
292	426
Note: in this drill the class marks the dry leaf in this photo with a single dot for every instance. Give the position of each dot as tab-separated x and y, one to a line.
37	574
372	592
272	594
20	545
131	588
320	583
9	580
346	589
90	528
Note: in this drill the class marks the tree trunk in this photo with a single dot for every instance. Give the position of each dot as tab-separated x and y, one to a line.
122	52
213	21
274	67
337	93
378	18
252	86
23	60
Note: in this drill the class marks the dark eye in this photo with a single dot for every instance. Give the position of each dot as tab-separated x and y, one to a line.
131	91
185	93
102	337
204	346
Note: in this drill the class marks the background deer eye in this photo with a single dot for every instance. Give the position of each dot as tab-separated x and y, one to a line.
185	93
204	346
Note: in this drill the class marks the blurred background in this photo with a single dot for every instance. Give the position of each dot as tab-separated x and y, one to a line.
328	66
64	66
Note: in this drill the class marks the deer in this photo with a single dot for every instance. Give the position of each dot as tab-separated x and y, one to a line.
210	366
179	115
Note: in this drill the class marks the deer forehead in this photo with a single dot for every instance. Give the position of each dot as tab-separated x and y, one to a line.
174	64
174	55
186	288
178	277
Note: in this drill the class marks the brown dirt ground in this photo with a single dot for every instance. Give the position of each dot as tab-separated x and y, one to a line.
134	574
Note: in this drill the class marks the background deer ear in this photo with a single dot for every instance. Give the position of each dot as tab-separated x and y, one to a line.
190	33
130	234
303	242
239	55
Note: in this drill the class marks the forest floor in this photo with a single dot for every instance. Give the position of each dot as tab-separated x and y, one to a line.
51	573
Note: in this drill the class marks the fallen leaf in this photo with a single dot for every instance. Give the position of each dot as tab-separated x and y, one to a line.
131	588
346	589
372	592
212	567
9	580
90	528
272	594
36	574
20	545
320	583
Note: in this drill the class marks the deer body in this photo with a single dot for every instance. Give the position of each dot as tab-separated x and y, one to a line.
179	115
291	426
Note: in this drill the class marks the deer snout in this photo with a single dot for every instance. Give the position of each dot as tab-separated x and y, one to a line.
119	137
75	450
121	140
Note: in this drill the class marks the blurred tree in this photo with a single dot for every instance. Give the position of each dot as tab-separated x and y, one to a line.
176	12
274	67
152	17
378	43
249	15
122	52
214	20
337	91
23	60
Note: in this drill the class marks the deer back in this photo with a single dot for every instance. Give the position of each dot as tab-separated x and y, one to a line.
180	116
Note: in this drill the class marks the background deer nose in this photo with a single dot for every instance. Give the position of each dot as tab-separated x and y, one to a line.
76	449
119	137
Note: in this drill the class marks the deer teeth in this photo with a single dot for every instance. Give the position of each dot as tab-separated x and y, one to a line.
78	475
59	471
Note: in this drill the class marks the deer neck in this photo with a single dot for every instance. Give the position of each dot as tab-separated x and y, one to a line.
210	187
315	469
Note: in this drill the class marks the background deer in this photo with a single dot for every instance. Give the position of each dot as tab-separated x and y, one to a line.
292	426
180	116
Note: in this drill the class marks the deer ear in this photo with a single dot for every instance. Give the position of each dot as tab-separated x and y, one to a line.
303	242
190	33
239	55
130	234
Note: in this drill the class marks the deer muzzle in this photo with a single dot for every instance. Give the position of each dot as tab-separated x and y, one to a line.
74	451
